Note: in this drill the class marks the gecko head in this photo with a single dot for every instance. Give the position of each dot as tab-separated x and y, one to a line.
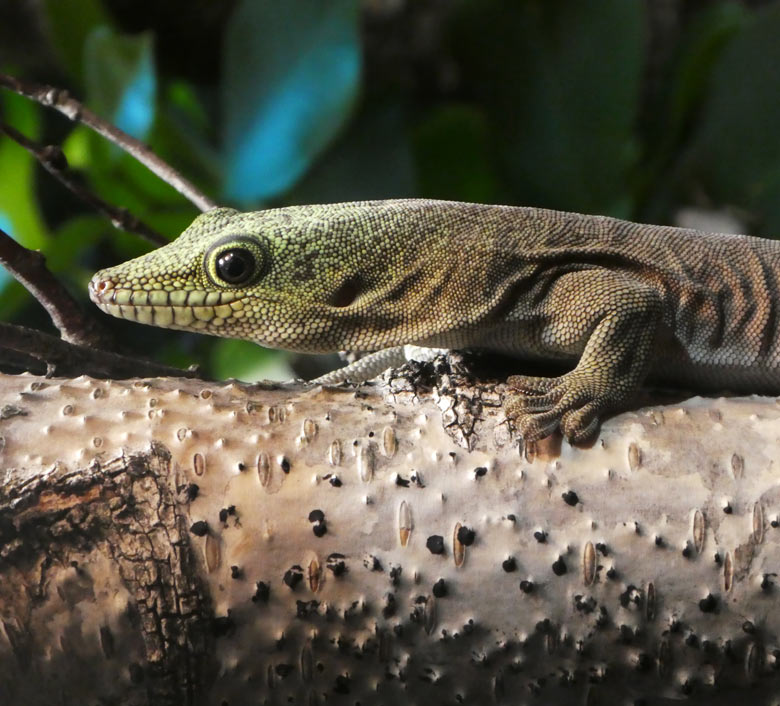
306	278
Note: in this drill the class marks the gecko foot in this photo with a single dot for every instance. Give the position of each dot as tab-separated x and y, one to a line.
540	406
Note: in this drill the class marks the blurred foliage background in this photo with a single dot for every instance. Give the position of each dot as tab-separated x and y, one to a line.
651	110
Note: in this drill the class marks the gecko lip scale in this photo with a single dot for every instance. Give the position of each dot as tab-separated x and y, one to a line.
194	309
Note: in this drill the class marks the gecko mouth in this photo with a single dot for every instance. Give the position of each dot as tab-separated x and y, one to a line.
186	309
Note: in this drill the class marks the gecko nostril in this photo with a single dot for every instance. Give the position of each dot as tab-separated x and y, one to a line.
100	287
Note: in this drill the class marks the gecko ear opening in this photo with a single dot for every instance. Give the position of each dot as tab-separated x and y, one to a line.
347	293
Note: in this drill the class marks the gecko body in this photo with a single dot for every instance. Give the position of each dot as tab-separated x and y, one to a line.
617	300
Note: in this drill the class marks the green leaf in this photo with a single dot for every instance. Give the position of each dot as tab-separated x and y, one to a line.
701	49
291	74
452	151
74	237
183	135
735	154
247	361
69	27
19	214
120	79
668	123
560	81
18	204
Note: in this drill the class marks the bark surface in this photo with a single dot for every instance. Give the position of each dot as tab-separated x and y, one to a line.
170	541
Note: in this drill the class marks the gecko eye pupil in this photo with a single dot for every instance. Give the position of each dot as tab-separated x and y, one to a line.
236	266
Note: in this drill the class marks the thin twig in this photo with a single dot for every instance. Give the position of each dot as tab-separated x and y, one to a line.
61	100
29	268
53	159
69	360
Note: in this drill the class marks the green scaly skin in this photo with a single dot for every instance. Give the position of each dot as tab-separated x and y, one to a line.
619	299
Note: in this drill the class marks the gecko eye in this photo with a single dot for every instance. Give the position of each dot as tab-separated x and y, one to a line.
236	261
236	266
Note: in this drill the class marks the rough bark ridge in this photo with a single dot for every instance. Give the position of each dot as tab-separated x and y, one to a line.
110	535
173	541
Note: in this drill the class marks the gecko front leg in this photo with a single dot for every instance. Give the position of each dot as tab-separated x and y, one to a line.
613	320
373	364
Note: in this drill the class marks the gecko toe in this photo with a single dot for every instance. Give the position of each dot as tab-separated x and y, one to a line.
530	385
533	427
539	403
579	425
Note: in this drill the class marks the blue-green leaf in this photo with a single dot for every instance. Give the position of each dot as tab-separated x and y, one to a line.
5	226
371	160
120	79
291	73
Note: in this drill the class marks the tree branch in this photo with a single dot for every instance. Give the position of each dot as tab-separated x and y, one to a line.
240	515
29	268
70	360
13	361
53	159
62	101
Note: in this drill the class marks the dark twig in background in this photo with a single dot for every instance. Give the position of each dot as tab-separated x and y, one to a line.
78	351
62	101
29	268
69	360
53	159
15	362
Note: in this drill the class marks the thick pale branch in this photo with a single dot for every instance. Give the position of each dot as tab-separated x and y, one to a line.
172	541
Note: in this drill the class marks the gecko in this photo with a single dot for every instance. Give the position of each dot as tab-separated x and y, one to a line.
616	302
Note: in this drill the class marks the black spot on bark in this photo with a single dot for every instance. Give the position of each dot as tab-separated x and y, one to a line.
200	528
570	498
708	604
262	592
466	536
293	576
435	544
222	626
559	566
316	516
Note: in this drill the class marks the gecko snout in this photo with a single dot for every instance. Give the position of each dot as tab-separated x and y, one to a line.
99	288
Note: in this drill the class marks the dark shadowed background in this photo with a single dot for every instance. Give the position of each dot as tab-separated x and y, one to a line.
666	111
